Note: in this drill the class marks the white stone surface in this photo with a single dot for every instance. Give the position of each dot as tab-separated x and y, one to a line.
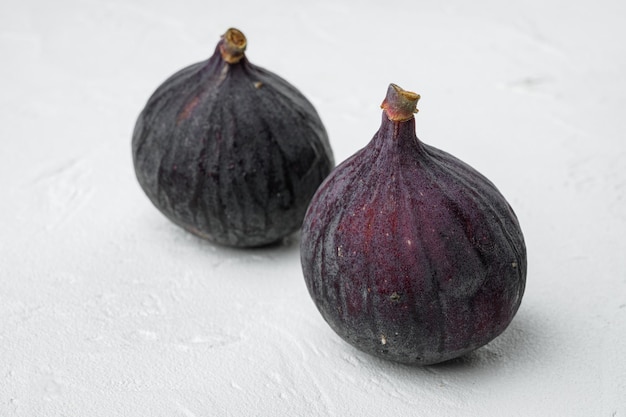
107	309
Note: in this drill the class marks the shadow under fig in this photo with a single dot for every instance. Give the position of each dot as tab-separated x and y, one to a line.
287	245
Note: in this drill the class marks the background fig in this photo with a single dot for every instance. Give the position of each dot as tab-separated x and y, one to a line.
229	150
409	253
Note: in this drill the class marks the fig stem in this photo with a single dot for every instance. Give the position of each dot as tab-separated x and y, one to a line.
399	104
233	45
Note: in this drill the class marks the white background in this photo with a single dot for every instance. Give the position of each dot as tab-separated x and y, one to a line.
107	309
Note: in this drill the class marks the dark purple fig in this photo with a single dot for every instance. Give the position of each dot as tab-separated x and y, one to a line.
231	151
409	253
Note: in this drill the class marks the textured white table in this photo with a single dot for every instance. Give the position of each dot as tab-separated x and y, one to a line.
107	309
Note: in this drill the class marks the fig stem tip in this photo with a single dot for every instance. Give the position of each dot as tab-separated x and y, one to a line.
399	104
233	45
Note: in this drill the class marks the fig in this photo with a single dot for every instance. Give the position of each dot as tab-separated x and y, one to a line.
231	151
409	253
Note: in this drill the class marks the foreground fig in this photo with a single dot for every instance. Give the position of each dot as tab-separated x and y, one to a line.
230	151
410	254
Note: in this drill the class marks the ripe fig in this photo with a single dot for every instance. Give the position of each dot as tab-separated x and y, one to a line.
231	151
409	253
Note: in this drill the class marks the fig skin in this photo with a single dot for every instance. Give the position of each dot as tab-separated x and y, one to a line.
230	151
409	253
